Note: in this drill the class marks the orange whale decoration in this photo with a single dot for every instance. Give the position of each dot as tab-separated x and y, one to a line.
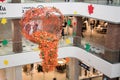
43	26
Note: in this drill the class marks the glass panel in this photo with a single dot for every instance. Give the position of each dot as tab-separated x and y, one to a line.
94	32
103	2
6	43
5	38
93	39
68	31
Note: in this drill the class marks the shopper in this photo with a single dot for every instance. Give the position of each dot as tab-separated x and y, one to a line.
109	2
67	0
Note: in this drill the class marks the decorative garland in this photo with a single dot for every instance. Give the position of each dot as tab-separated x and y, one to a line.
48	44
43	26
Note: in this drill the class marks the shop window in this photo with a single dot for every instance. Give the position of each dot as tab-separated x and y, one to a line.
94	32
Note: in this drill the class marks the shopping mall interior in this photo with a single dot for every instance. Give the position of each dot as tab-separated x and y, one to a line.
95	37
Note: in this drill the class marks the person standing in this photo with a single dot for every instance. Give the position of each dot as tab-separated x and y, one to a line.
109	2
67	0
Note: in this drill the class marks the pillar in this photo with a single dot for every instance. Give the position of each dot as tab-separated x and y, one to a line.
73	65
2	74
16	36
77	38
17	44
74	69
15	73
112	45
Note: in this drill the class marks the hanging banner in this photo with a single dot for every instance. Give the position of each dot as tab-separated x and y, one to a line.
102	12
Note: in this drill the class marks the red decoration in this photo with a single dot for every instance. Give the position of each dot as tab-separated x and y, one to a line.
90	9
43	26
74	23
2	0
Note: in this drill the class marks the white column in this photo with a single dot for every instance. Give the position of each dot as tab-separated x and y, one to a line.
14	73
2	74
18	73
74	69
10	73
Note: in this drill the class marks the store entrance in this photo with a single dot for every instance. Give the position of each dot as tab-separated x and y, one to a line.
87	72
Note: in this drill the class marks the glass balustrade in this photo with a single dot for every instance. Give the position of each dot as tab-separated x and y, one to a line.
102	2
91	47
92	40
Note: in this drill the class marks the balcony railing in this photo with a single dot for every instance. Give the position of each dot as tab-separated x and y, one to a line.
103	2
94	48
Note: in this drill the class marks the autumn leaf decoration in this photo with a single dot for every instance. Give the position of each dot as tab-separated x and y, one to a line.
2	0
90	9
3	21
43	26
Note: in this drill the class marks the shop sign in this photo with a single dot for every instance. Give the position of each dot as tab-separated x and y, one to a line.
84	66
2	10
26	8
29	7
